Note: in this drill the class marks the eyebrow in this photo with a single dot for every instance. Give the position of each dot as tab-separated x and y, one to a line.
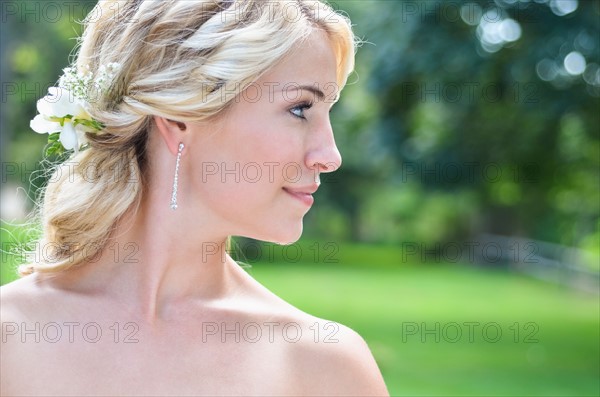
320	95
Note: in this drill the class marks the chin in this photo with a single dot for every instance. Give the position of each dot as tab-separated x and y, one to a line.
284	236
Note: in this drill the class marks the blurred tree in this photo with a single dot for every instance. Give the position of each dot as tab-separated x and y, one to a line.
496	98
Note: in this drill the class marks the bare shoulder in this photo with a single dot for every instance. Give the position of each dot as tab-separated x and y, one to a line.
338	362
31	302
19	308
24	303
16	298
327	357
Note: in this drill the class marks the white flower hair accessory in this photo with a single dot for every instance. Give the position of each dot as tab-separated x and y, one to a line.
63	114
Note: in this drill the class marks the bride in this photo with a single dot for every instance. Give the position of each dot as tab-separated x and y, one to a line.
189	122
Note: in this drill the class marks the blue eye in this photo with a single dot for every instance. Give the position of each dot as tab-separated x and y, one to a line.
298	111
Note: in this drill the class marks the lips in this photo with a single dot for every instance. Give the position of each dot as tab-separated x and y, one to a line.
303	194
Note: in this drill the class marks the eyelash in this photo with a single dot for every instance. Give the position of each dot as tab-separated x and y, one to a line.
303	106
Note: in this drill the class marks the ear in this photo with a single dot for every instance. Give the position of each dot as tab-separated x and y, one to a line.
172	132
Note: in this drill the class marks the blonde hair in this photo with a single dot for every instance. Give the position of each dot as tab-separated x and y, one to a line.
177	59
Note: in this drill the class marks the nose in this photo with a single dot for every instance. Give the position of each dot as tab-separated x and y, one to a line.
323	154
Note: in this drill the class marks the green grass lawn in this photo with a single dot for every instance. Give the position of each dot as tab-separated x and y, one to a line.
549	341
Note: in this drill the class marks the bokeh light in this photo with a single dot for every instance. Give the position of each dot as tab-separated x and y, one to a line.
574	63
494	31
563	7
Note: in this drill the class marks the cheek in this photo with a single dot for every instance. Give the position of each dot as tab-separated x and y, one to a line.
269	157
248	159
239	182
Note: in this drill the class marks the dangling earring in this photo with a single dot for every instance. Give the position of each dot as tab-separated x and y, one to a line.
175	179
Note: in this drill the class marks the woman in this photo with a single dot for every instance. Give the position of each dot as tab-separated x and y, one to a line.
136	294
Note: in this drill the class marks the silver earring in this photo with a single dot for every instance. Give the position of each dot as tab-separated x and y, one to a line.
176	178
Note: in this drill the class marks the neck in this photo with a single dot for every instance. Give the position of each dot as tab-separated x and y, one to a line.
154	260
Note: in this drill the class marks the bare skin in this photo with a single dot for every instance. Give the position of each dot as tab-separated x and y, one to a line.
182	319
187	351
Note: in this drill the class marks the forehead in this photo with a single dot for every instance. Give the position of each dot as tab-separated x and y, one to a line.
311	63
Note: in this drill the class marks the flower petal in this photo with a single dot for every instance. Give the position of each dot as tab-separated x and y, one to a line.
59	103
68	136
42	126
79	112
66	104
44	107
81	130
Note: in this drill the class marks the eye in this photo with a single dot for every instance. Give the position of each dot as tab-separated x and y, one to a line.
298	110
